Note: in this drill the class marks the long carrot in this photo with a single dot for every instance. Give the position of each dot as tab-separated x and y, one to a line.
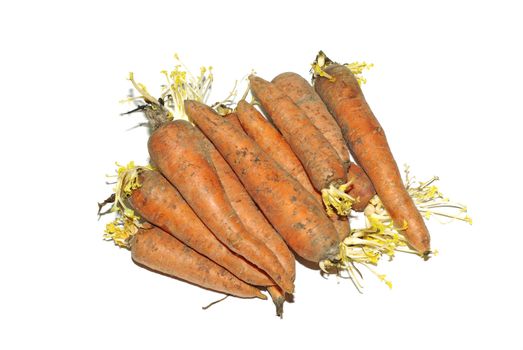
176	150
253	220
249	214
159	203
304	96
273	143
320	160
287	205
161	252
368	144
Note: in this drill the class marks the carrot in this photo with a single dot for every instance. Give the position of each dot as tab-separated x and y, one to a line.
253	220
286	204
320	160
368	144
273	143
159	203
249	214
278	298
361	187
233	118
304	96
161	252
179	154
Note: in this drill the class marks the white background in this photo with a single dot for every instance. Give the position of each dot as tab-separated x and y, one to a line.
446	87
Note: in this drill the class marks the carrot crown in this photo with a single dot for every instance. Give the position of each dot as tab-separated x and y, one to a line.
336	200
322	61
180	85
126	223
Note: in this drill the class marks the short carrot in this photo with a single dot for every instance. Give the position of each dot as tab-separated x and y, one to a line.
320	160
161	252
179	154
158	202
368	144
291	209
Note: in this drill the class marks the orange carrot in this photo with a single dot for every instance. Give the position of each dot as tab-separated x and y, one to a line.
181	156
304	96
158	202
233	118
368	144
278	298
273	143
161	252
249	214
361	189
320	160
286	204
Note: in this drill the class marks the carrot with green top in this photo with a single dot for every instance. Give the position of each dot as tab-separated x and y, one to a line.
290	208
339	89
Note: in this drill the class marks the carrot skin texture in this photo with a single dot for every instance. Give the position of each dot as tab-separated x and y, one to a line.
249	214
286	204
362	188
273	143
368	144
233	119
179	154
161	252
320	160
158	202
303	95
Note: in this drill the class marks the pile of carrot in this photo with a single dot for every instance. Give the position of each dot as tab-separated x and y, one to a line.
235	193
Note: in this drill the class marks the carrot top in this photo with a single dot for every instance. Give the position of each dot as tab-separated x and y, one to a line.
126	222
379	237
322	61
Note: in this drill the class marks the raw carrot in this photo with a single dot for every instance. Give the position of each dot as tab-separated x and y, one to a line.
161	252
286	204
273	143
233	118
278	298
179	154
159	203
249	214
361	189
368	144
320	160
304	96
